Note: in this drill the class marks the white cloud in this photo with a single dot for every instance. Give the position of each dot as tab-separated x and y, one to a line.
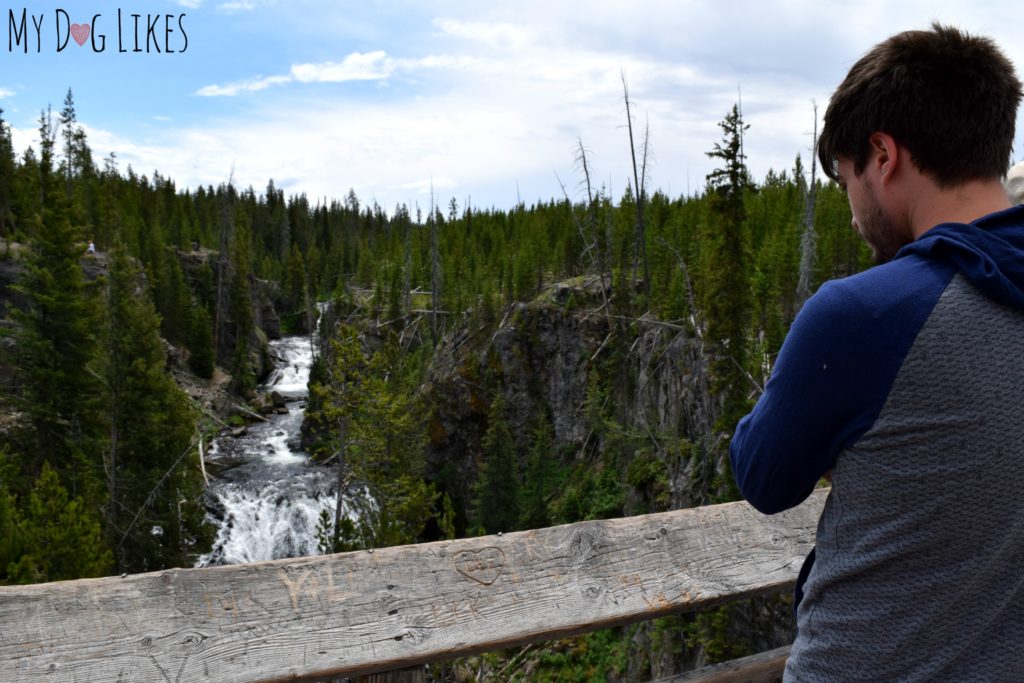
495	34
22	138
492	98
6	92
490	106
235	6
251	85
426	185
189	4
495	112
357	66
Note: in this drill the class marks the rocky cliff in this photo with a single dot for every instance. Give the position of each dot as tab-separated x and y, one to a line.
544	357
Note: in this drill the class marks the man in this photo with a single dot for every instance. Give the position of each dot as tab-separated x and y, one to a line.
905	384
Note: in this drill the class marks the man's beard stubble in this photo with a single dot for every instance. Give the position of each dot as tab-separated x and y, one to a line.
881	234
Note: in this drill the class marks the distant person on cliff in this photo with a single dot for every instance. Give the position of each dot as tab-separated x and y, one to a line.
905	383
91	249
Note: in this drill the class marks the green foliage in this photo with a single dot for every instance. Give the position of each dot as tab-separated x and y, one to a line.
540	478
723	265
591	492
60	538
173	298
714	630
242	375
648	475
446	522
203	287
592	658
55	343
200	343
726	271
294	285
7	177
496	493
10	541
151	427
371	426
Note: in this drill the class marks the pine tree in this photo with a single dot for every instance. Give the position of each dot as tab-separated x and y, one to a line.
67	120
240	297
59	535
294	280
10	541
377	438
539	480
496	494
151	427
7	173
55	344
200	342
172	297
727	296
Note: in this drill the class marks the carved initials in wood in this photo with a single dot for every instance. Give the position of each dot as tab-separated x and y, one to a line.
483	566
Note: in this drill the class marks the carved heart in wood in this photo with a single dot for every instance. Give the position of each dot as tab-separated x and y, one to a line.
483	566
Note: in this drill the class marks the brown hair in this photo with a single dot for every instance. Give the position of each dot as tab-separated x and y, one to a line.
948	97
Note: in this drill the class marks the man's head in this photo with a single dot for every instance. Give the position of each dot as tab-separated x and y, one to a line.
949	98
941	102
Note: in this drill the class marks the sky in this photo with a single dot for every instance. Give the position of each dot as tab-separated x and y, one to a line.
483	102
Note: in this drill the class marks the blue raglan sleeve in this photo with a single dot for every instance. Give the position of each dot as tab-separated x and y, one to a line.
831	379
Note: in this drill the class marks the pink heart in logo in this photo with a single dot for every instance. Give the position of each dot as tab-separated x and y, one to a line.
80	32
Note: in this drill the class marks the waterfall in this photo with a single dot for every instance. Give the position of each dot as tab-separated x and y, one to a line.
271	495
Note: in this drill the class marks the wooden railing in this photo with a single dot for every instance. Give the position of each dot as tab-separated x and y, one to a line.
317	618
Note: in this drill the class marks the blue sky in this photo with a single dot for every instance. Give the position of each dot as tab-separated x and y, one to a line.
484	101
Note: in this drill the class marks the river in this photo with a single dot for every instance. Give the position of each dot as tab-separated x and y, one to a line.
268	499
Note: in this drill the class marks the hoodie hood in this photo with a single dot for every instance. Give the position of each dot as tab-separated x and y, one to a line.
989	252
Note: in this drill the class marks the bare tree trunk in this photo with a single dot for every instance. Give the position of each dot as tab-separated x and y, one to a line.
809	240
639	180
589	234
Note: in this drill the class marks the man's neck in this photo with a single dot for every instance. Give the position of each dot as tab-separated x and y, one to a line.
960	204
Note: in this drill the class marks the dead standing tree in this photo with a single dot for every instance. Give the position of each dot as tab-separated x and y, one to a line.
589	232
640	184
809	240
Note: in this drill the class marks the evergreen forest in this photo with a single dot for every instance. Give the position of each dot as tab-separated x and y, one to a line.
479	369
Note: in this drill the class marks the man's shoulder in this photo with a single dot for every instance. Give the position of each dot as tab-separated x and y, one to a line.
895	288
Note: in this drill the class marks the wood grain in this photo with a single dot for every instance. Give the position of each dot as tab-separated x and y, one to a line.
315	618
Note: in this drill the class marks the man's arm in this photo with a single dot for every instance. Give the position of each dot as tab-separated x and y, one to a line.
830	380
794	433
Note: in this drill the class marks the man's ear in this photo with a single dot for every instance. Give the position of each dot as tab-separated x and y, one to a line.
884	156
